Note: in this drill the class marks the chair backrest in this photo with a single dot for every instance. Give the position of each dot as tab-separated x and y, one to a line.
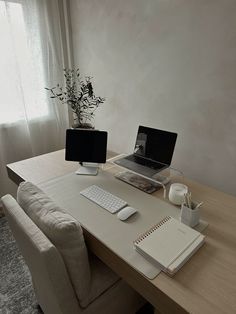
52	285
63	231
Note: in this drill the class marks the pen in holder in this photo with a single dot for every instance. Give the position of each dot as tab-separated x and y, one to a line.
190	211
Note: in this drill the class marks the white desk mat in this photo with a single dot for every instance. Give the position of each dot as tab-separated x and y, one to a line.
117	235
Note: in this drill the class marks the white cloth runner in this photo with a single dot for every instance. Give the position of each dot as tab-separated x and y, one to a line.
117	235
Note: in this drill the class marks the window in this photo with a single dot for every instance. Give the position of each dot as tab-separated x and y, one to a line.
22	78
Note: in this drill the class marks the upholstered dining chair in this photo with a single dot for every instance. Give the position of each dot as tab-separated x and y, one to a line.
67	278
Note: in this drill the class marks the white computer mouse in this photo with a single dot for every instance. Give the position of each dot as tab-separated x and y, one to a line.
126	212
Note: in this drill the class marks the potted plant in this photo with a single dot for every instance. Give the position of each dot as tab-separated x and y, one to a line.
79	96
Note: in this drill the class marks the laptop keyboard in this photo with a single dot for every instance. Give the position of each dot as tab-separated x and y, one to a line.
144	170
145	162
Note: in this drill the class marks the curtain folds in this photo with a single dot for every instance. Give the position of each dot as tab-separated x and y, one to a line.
35	47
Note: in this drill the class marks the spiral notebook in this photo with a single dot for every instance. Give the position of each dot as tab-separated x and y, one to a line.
169	244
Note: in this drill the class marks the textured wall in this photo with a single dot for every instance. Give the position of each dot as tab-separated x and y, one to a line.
169	65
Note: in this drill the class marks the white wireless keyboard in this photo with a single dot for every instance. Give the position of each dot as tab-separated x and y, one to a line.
103	198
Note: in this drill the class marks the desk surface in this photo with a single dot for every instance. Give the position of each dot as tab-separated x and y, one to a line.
206	284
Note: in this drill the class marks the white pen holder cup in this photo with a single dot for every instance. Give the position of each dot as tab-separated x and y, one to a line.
190	216
176	193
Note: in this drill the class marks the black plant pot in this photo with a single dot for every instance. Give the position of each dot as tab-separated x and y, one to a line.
82	126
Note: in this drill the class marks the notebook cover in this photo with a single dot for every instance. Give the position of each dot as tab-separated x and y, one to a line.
169	244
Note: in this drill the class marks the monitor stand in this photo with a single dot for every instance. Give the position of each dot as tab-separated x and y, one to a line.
88	168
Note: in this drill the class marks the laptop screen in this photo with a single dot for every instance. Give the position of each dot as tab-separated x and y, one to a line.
154	144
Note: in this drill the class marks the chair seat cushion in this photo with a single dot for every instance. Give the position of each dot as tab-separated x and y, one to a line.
63	231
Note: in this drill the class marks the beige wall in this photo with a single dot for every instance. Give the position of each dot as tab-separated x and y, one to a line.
168	65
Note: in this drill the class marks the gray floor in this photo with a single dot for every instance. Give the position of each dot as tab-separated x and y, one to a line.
16	291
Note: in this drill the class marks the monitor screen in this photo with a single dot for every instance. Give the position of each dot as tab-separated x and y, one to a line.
154	144
86	145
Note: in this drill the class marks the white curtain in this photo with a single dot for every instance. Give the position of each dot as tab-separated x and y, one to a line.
33	52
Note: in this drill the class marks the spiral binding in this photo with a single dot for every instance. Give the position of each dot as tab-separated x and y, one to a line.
151	230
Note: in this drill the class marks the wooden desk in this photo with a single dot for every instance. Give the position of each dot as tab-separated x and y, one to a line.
206	284
43	167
